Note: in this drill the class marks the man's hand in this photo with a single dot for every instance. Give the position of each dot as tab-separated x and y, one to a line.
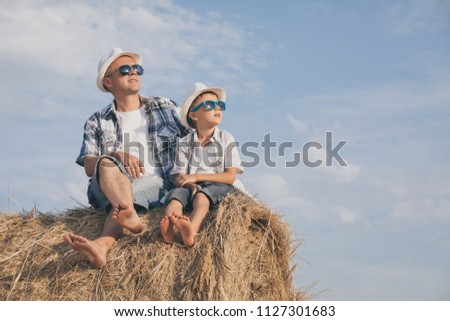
183	179
132	164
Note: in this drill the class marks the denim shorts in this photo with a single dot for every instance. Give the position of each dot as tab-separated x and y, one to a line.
214	191
147	190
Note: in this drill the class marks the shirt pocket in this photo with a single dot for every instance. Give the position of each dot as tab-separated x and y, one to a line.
108	144
166	138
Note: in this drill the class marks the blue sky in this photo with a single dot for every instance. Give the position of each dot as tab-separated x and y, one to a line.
374	73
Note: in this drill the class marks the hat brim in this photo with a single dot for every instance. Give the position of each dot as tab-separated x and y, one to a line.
221	94
101	73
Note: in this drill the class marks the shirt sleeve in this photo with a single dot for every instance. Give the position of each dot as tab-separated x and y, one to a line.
90	144
183	131
232	158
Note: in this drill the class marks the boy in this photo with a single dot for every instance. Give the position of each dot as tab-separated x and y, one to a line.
206	164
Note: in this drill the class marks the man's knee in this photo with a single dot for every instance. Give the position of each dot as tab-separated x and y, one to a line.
105	164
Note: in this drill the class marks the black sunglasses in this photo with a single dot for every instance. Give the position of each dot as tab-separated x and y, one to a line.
126	69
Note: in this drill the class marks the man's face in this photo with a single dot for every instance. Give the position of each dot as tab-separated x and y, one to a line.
118	83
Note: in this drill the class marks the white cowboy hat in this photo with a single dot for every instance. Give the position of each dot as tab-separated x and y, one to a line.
107	60
190	96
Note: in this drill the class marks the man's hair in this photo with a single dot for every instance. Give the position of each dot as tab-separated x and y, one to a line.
193	104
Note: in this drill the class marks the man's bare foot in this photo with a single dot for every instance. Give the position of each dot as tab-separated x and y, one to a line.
183	225
93	251
167	231
126	216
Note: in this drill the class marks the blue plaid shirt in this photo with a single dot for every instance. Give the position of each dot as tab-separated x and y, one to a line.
103	133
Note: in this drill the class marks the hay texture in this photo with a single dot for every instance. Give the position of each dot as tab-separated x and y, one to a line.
243	252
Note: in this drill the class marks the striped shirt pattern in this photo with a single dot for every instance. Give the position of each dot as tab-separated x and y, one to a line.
103	133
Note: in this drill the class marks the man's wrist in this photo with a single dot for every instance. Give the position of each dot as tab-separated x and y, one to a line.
117	155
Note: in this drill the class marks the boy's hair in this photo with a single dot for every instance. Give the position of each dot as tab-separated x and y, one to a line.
194	103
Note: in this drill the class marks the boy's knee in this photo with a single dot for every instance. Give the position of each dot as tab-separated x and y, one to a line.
201	197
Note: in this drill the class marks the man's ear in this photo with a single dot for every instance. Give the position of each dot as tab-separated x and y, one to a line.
106	82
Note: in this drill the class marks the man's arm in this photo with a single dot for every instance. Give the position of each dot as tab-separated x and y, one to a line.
132	164
89	165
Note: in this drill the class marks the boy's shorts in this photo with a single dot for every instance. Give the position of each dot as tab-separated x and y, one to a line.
214	191
147	190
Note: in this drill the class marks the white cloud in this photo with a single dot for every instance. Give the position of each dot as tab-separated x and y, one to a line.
70	38
298	125
346	215
340	173
343	173
417	15
277	192
421	209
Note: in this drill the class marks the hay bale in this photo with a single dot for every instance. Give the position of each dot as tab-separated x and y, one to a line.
243	252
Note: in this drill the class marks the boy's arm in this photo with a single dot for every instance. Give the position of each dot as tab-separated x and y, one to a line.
226	177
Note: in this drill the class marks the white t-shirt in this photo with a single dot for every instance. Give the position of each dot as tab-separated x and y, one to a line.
135	137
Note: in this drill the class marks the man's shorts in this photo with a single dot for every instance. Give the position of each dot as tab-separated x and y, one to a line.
214	191
147	190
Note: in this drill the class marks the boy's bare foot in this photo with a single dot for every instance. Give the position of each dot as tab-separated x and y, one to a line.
167	231
94	252
183	225
126	216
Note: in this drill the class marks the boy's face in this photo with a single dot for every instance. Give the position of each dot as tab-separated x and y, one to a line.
204	117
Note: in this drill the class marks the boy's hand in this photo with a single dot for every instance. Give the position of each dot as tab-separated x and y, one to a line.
184	179
193	188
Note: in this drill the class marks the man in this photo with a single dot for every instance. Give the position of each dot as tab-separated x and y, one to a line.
127	151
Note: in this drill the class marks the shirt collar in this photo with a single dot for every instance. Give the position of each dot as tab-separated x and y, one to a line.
110	111
214	138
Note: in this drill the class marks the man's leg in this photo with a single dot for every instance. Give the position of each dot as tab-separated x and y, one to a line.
117	189
116	186
96	250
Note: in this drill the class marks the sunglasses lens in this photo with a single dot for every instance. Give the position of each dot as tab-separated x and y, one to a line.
125	69
221	105
139	70
209	105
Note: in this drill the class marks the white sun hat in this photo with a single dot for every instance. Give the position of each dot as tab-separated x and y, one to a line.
107	60
190	96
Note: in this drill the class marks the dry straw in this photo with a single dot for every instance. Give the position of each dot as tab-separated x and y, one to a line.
243	252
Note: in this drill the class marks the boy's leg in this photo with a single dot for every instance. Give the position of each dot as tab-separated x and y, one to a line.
201	208
188	228
176	200
173	208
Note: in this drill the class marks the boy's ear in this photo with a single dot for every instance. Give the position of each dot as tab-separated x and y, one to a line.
193	116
